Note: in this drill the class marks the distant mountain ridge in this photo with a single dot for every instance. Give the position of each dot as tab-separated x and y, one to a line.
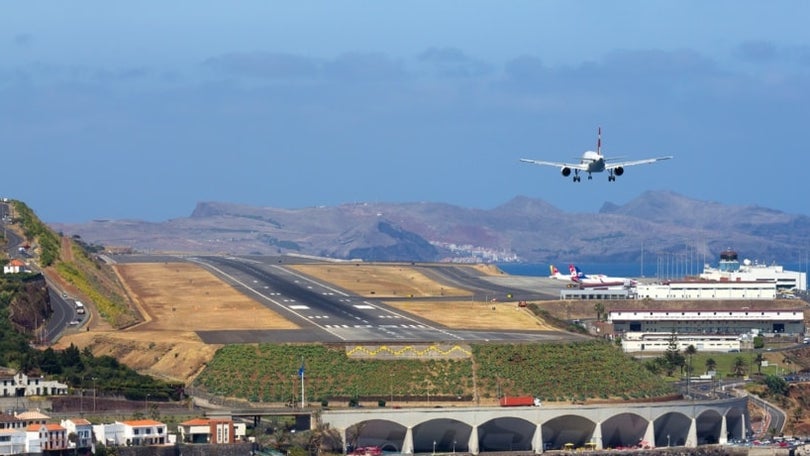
523	229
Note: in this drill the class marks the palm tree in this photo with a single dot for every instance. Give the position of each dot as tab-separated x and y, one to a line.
600	309
711	364
758	360
739	366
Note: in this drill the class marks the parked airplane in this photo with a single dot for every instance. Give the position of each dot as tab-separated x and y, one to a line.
598	280
595	162
556	274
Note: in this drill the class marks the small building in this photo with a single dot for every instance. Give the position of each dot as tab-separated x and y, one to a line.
634	342
15	266
596	293
45	437
32	417
211	431
83	430
132	433
20	385
12	441
10	422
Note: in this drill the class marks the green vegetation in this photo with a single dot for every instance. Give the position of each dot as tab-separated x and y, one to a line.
35	230
92	281
575	371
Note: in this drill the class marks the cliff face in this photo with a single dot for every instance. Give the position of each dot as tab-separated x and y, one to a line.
31	304
530	230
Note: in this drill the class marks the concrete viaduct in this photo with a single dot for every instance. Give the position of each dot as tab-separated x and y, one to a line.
483	429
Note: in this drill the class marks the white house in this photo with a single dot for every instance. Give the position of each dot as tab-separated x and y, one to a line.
12	441
45	437
83	430
206	430
19	385
133	432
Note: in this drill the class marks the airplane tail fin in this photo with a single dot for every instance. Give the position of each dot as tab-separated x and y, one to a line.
553	270
575	272
599	141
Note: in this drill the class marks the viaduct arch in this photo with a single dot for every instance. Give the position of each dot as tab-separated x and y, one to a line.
537	429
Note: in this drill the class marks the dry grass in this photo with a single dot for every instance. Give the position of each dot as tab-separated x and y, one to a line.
379	281
474	315
176	299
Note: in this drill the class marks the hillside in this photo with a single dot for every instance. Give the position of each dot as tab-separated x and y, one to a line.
523	229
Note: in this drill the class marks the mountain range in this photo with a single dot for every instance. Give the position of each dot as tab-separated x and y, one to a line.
523	230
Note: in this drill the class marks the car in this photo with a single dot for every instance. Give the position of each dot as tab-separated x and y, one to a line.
74	322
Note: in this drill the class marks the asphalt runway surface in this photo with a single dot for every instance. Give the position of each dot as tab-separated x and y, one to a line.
329	314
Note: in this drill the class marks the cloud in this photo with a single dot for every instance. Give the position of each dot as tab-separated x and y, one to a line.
266	65
364	67
757	51
453	62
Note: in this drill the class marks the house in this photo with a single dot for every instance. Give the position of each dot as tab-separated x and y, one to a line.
45	437
83	430
132	433
32	417
14	266
12	441
19	385
10	422
211	431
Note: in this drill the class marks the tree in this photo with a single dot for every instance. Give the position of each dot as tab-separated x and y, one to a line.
600	310
758	361
690	351
739	366
672	356
777	386
711	365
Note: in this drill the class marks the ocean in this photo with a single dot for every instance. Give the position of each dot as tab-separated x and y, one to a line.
654	268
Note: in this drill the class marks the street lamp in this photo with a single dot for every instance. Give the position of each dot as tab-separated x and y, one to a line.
434	447
454	446
94	394
667	439
146	404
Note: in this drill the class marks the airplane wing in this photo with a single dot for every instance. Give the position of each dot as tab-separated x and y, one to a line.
645	161
579	166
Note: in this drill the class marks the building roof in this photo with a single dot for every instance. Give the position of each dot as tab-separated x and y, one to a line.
51	427
79	422
32	415
136	423
6	418
196	422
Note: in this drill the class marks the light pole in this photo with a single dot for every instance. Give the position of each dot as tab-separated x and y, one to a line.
667	439
434	447
94	394
454	446
391	385
146	404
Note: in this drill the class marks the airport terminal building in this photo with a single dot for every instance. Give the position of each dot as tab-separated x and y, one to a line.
709	322
706	289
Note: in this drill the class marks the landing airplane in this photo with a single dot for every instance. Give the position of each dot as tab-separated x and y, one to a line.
598	280
595	162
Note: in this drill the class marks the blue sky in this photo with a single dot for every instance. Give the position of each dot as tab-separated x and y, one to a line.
141	110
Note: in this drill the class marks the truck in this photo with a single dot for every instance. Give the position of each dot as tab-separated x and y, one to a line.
519	401
79	308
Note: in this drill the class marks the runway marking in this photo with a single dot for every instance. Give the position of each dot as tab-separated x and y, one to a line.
299	307
363	306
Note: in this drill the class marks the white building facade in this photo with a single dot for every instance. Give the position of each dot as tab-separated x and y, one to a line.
633	342
19	385
706	290
709	322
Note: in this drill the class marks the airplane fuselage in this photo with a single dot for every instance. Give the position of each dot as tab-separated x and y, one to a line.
594	161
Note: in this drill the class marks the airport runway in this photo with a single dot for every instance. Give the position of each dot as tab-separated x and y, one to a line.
329	314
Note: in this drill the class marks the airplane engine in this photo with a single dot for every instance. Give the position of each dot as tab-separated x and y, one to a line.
566	171
619	171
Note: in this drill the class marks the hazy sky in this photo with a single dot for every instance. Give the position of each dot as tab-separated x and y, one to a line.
142	109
